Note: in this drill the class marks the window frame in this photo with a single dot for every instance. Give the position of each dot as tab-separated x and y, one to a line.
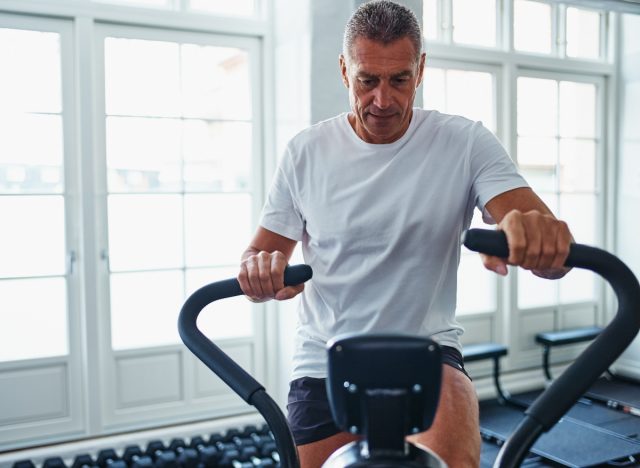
87	363
529	355
115	418
501	326
70	365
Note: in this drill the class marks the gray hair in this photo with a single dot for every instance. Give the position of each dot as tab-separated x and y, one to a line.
382	21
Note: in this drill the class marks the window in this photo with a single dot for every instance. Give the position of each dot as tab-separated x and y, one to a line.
130	175
556	29
558	145
237	8
466	22
532	30
500	66
179	155
470	93
33	270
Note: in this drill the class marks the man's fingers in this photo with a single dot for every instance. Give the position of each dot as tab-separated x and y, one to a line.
264	274
289	292
278	264
495	264
514	229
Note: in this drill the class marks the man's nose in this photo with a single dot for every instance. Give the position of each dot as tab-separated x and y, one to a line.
382	95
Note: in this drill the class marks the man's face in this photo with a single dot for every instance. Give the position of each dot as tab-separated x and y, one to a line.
382	81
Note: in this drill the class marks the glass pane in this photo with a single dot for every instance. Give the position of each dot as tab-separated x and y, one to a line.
537	160
577	165
532	26
145	308
224	7
540	179
142	77
430	19
579	211
217	228
476	286
537	107
32	238
215	82
143	154
33	313
470	94
577	286
145	232
538	152
534	291
217	155
434	89
229	318
474	22
577	109
30	80
583	33
28	164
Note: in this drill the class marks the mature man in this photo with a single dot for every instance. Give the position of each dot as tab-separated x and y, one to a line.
379	197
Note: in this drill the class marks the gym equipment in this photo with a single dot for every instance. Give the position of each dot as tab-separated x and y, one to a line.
584	437
540	417
567	389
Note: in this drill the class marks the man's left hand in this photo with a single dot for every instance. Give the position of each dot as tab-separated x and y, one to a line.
537	242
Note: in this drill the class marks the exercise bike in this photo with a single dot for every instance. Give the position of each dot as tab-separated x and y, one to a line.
385	387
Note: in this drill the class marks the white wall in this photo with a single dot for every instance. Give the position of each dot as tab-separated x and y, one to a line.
628	206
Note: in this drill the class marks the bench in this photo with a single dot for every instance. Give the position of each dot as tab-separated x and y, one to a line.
482	351
561	338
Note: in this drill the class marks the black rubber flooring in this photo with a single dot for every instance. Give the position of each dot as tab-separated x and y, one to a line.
623	392
590	435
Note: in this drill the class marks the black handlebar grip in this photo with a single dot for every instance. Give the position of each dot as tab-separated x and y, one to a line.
486	242
297	274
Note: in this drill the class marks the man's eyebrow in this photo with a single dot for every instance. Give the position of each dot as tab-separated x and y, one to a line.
402	74
362	74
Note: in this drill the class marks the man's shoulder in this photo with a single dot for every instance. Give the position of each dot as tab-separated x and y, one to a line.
436	120
317	136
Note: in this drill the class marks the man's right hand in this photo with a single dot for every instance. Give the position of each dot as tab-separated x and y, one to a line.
261	277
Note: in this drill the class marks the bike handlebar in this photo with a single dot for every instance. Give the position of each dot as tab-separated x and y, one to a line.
551	405
227	369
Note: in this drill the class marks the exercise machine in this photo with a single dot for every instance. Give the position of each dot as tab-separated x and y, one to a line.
540	417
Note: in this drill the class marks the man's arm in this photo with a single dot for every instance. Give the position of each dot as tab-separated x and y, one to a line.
262	267
537	240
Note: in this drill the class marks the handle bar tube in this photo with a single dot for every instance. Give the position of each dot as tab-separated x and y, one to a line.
549	407
228	370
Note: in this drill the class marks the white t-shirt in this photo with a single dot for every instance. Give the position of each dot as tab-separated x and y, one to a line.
380	225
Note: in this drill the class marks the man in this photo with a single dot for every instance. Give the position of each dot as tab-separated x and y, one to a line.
379	197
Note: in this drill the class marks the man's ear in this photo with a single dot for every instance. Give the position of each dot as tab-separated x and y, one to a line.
423	59
343	71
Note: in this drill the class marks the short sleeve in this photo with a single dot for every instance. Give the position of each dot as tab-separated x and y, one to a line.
280	213
492	170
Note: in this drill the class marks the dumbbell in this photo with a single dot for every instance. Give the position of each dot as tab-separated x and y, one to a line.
135	458
209	455
162	457
108	458
83	460
24	464
187	456
54	462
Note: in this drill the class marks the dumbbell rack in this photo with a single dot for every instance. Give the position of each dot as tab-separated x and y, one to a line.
249	447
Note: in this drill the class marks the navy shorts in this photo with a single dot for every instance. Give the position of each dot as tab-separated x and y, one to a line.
309	414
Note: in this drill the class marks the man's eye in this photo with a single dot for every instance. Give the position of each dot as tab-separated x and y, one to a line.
401	80
367	82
